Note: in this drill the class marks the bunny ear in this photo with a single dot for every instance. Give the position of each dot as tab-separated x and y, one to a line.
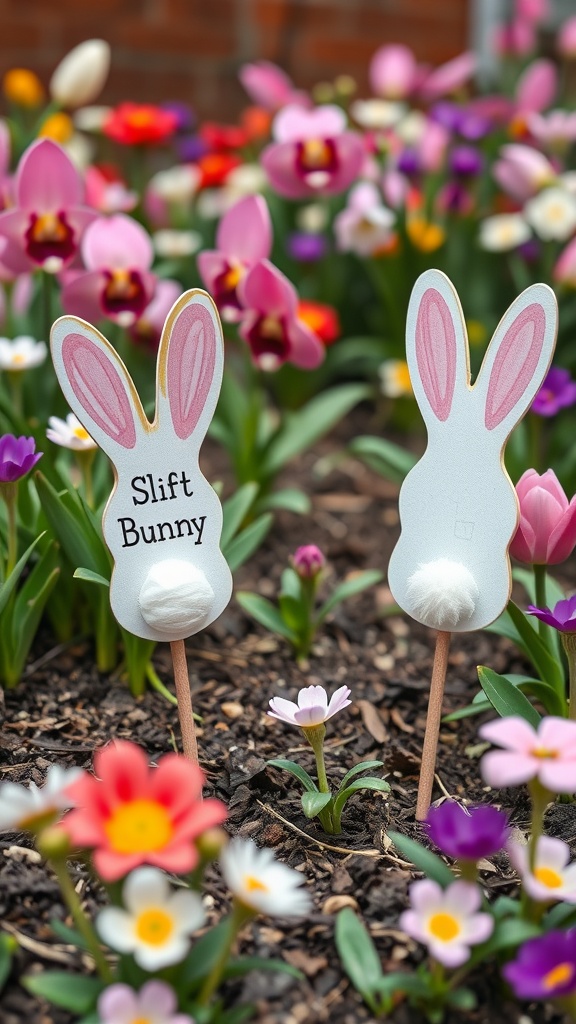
191	361
96	384
436	343
519	356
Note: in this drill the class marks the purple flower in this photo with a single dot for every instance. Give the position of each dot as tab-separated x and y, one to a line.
191	148
465	161
409	163
557	392
17	457
305	247
467	834
562	617
185	116
545	968
308	560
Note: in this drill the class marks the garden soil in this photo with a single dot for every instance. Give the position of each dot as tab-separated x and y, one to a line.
63	710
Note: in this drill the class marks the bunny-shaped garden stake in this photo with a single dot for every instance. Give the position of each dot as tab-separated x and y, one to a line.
458	509
163	521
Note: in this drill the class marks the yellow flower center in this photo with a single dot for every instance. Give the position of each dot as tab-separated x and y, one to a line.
233	276
316	154
48	227
140	826
444	926
272	328
81	434
401	375
544	753
141	1020
18	359
562	974
154	926
548	877
254	884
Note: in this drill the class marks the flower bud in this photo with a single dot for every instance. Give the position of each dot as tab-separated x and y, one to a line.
211	843
80	76
308	561
54	843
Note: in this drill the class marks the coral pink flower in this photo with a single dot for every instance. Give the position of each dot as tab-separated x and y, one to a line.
313	153
148	328
243	238
546	534
133	814
449	77
269	86
46	227
394	73
566	39
271	325
548	754
117	284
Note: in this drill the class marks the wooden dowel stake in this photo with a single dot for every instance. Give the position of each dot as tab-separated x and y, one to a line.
184	697
428	766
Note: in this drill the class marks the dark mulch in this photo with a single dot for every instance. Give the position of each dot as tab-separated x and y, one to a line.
64	709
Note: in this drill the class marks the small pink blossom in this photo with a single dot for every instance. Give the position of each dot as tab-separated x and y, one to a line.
553	877
394	72
269	86
155	1003
555	130
522	171
566	39
108	195
313	153
547	754
312	708
308	560
446	920
271	326
515	38
565	268
365	224
449	77
117	284
243	238
537	86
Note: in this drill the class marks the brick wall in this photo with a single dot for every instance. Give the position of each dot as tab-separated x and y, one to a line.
191	49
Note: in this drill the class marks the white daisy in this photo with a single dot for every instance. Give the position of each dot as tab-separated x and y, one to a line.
376	113
552	214
157	923
258	881
176	184
22	353
503	232
395	378
171	244
28	807
69	433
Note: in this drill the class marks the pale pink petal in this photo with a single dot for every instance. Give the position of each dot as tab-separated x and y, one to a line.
450	76
279	162
312	715
13	225
266	289
426	896
563	537
82	296
306	350
79	217
283	709
500	768
512	733
393	71
294	123
245	231
462	897
47	180
269	86
478	928
544	513
211	264
117	242
339	700
537	86
523	544
556	733
552	852
364	197
312	696
451	954
350	157
558	776
518	854
411	923
119	1002
157	999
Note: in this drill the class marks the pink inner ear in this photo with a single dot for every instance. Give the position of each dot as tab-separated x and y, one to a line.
190	367
436	352
515	363
99	388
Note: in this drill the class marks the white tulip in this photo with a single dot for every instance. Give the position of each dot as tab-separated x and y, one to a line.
80	76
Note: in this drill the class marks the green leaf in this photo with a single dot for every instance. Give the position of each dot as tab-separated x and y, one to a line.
364	766
424	860
8	586
293	611
367	783
289	499
549	670
388	459
74	992
238	966
563	914
8	946
234	511
506	698
265	613
462	999
314	803
68	935
302	429
202	957
295	769
247	542
358	583
358	954
73	525
91	577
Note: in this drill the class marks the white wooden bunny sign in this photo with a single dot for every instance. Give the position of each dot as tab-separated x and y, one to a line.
458	509
163	520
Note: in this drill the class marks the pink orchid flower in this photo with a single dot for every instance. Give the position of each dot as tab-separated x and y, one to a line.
394	72
269	86
117	283
555	130
271	326
47	225
547	754
313	154
148	328
243	238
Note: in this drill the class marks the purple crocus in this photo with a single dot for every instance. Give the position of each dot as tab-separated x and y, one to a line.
545	968
557	392
465	161
561	617
306	247
467	834
17	457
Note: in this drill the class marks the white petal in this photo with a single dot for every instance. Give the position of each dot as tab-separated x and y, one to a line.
116	928
145	887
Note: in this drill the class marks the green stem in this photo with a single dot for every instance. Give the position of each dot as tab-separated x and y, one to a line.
308	587
9	492
468	870
569	645
315	735
15	382
85	460
46	304
540	588
105	635
540	798
80	920
240	915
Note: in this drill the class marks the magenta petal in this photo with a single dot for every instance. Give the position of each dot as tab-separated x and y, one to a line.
266	289
279	162
13	224
118	243
523	543
245	231
47	180
350	156
211	264
306	350
562	539
82	296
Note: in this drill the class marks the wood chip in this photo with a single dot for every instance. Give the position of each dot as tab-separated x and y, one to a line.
232	709
301	959
335	903
372	721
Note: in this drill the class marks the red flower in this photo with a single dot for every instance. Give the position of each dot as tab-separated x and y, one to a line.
140	124
133	814
215	168
221	137
321	319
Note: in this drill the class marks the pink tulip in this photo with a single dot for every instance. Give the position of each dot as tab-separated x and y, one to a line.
566	39
148	328
532	10
269	86
46	227
117	283
449	77
548	754
536	87
393	72
555	130
271	326
522	171
244	237
565	269
547	531
516	38
313	153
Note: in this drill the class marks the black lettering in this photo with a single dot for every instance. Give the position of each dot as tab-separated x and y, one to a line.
184	480
160	528
199	529
180	523
162	491
154	498
129	530
139	490
152	538
172	481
